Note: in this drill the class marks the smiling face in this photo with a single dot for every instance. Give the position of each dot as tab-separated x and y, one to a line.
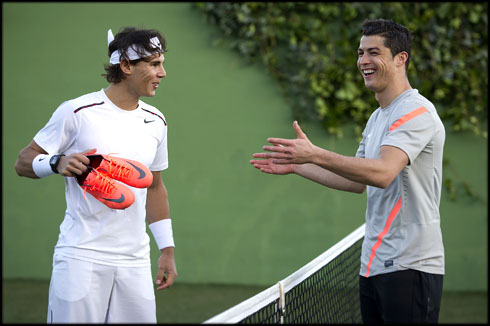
145	76
376	63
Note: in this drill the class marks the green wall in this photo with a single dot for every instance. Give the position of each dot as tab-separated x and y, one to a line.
232	224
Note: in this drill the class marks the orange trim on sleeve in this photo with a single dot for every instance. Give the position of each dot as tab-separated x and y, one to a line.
408	117
391	217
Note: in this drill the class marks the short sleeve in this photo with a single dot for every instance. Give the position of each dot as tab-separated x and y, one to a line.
361	149
411	132
161	158
60	131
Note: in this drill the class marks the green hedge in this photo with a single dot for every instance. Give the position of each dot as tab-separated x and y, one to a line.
311	49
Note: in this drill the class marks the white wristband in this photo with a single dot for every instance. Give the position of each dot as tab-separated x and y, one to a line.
40	165
162	232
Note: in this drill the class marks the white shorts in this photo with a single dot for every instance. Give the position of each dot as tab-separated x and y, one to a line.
85	292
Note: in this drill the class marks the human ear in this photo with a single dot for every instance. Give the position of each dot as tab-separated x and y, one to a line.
126	66
401	58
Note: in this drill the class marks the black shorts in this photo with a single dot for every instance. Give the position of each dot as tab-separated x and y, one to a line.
407	296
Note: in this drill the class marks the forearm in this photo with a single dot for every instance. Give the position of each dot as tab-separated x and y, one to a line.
379	172
158	215
373	172
23	164
157	206
328	178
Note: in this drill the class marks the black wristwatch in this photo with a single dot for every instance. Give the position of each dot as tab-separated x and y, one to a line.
54	161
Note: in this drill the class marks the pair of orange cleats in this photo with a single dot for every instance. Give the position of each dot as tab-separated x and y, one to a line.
99	180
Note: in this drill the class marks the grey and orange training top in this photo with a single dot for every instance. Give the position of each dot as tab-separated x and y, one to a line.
402	221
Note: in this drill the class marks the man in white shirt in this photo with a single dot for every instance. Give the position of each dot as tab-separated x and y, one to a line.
101	264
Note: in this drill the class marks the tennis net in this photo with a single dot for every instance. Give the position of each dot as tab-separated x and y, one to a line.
326	290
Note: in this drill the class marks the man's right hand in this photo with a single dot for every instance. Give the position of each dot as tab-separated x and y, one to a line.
75	164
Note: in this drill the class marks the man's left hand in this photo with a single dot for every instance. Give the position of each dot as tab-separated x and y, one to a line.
287	151
167	271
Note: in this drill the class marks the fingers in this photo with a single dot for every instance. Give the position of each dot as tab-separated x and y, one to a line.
167	272
266	170
259	155
83	155
280	149
166	282
286	156
262	167
280	141
268	158
261	162
75	164
160	279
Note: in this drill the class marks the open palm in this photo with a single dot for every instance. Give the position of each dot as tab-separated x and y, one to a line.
267	166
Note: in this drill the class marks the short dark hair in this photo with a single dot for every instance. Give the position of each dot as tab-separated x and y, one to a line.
126	37
397	37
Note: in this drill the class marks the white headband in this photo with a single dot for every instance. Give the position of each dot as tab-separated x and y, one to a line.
132	54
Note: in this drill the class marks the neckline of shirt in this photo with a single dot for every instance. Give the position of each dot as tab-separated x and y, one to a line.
400	98
117	108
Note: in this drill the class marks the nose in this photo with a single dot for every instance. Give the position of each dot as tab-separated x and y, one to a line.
363	60
162	73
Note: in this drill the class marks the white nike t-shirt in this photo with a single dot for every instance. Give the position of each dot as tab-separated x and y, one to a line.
90	230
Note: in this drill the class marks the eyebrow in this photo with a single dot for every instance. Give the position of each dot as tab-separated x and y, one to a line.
369	49
157	61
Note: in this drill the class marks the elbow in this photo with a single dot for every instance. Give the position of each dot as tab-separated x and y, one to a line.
360	189
17	168
357	188
384	182
22	170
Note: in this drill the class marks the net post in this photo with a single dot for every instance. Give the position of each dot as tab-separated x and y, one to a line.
282	302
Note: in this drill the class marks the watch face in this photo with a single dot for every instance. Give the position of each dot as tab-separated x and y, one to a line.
53	159
53	162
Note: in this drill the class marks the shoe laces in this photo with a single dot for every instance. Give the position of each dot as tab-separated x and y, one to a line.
118	170
100	183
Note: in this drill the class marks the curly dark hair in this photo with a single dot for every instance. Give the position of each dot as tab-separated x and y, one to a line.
126	37
397	37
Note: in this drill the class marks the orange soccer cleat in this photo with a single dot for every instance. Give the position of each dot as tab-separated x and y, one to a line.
132	173
106	190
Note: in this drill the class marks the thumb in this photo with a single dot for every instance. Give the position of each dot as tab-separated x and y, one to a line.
89	151
298	130
159	279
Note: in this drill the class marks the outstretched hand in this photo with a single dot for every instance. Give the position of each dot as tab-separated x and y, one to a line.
289	151
267	166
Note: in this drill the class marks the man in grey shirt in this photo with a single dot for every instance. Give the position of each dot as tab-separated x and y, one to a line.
399	163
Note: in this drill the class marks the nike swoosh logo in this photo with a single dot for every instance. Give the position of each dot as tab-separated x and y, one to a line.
141	172
119	200
41	159
148	121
